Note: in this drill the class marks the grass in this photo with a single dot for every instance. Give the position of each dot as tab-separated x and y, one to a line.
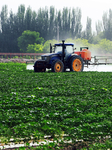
39	104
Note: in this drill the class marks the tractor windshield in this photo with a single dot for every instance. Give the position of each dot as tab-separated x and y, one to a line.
58	49
69	49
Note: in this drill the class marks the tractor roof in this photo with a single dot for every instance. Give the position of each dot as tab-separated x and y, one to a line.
66	44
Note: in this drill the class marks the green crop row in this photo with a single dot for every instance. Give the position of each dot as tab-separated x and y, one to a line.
38	104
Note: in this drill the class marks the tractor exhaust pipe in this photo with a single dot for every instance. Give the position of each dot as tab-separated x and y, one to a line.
63	47
50	48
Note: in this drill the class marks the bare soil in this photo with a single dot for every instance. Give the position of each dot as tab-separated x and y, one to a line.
15	60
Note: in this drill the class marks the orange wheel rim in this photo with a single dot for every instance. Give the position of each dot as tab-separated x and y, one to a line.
58	67
77	65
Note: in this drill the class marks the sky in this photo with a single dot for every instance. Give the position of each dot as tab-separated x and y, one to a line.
93	9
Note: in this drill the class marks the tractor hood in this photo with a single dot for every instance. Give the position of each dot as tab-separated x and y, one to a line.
49	54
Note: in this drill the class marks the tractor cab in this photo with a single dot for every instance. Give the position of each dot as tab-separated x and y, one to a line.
65	51
68	48
60	58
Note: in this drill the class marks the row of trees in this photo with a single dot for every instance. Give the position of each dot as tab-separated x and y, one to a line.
30	42
50	24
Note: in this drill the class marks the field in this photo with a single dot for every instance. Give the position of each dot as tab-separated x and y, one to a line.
68	106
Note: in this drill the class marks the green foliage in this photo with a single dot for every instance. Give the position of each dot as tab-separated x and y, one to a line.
82	42
15	57
34	48
107	20
79	43
105	46
87	34
46	47
98	38
107	145
29	37
78	104
49	24
102	47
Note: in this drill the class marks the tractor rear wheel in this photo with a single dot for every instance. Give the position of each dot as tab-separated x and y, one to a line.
57	66
76	64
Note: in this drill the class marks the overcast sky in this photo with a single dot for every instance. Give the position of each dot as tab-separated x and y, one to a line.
91	8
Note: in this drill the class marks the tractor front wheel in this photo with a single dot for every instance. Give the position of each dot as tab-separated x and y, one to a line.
76	64
57	66
38	69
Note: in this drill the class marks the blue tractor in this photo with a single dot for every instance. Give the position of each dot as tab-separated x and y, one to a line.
60	58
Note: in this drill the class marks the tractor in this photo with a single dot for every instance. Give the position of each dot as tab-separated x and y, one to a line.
63	56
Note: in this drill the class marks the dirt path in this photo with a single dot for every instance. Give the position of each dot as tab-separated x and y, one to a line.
15	60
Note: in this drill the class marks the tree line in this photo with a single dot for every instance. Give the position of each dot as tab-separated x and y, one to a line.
50	24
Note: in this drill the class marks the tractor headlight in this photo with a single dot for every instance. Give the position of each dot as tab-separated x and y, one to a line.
46	58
